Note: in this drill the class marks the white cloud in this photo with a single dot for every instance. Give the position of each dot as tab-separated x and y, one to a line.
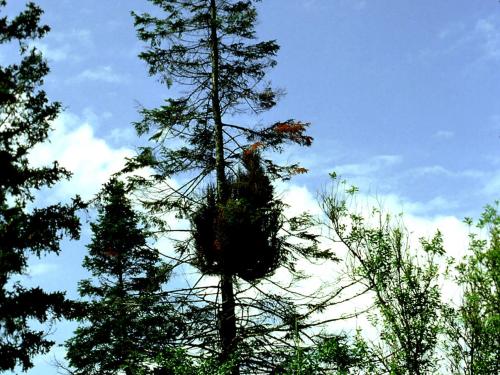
66	46
439	170
480	39
298	198
119	135
485	35
451	30
488	31
444	134
370	166
49	362
315	5
80	36
101	74
42	269
396	205
431	170
330	276
75	146
492	187
51	53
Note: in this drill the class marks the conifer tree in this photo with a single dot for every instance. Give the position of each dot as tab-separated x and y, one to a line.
127	322
25	116
208	48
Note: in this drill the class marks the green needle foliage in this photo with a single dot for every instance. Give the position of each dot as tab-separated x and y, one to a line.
240	237
208	50
25	116
335	354
127	321
474	326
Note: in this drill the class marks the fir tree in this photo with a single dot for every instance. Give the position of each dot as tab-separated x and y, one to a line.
127	322
209	48
25	116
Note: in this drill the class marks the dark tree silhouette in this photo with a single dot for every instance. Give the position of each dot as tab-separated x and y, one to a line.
127	322
25	115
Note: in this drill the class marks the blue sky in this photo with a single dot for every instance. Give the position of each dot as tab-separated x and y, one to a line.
402	96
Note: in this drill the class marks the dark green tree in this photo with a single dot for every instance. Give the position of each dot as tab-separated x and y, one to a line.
249	221
208	50
128	323
474	326
334	354
25	116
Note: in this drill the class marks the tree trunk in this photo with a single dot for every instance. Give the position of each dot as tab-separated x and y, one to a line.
227	319
123	335
219	137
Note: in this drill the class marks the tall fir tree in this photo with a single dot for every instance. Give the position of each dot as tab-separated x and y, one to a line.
25	116
127	322
209	48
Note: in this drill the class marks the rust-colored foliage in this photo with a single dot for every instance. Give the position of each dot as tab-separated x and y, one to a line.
300	170
111	252
293	130
253	148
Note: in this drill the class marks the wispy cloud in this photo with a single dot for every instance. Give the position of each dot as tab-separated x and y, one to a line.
444	134
53	53
67	46
492	186
101	73
321	4
42	269
451	30
442	171
480	39
488	32
119	135
370	166
80	36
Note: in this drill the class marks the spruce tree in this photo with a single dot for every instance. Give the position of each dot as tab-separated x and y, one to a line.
25	116
208	50
127	322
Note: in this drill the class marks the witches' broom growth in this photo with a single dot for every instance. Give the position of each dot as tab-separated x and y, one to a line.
240	237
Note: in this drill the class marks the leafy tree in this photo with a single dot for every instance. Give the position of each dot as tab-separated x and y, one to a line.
404	282
25	115
474	326
209	49
127	321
